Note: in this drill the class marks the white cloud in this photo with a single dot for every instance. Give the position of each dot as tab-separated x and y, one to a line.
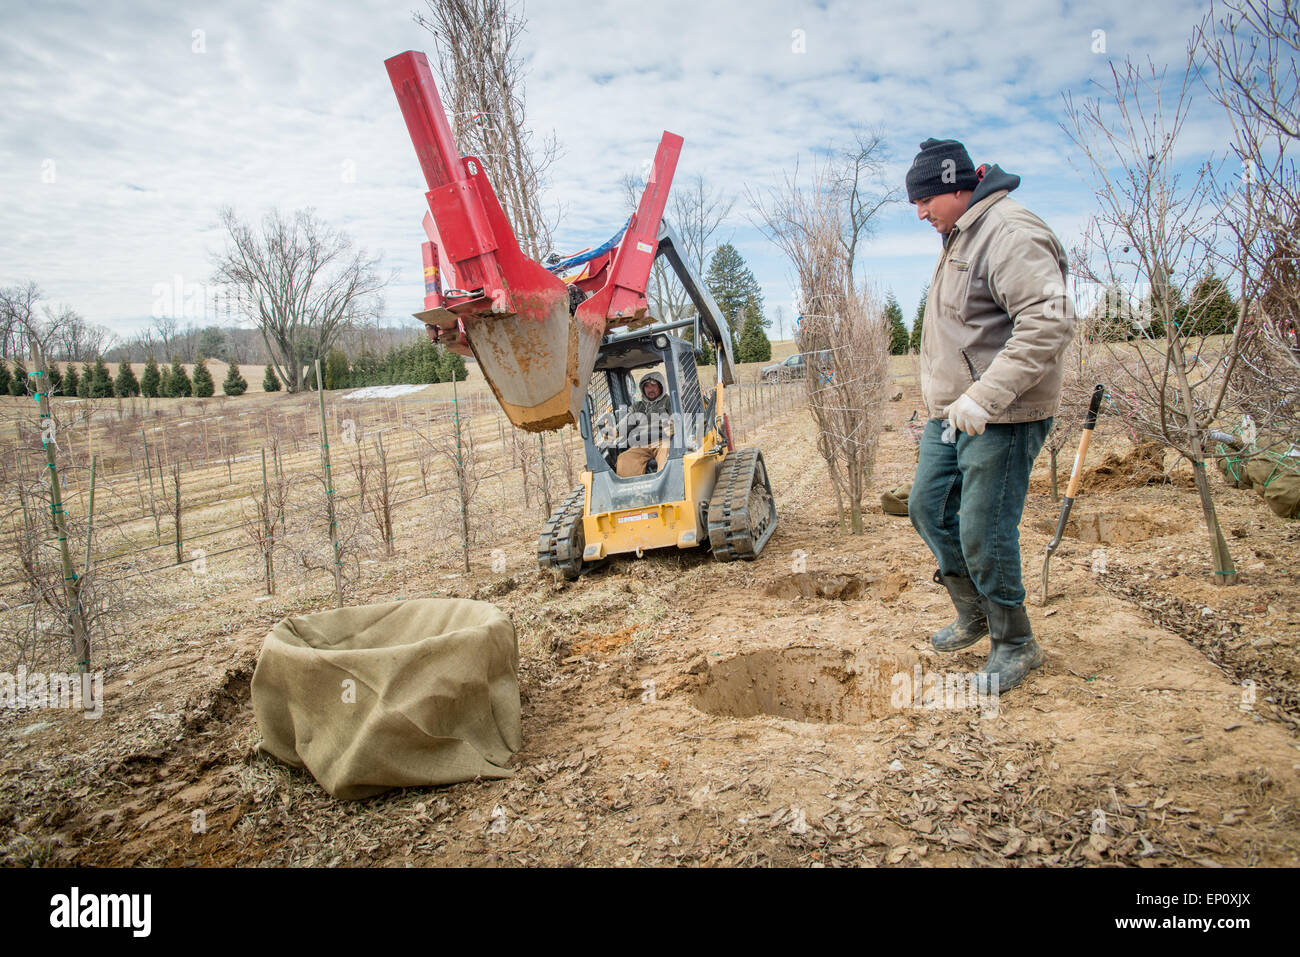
149	139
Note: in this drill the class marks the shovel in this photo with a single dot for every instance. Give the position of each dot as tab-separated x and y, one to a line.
1089	423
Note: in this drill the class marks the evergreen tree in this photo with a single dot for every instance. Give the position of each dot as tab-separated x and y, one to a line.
364	368
754	345
71	380
87	378
1212	308
101	383
270	382
203	385
430	369
1112	318
126	384
915	341
898	338
1152	317
336	369
234	383
151	381
5	378
733	286
453	367
56	380
706	356
178	384
17	379
212	342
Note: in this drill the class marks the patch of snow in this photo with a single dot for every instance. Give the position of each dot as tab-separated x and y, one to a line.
384	391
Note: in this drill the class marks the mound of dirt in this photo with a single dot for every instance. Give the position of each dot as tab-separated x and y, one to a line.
1144	464
1107	528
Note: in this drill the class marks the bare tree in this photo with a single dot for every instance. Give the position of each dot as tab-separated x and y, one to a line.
174	504
264	514
778	320
856	179
385	494
300	282
477	47
28	329
1155	228
1267	384
59	620
21	320
1252	45
339	554
455	446
376	488
17	311
1252	49
696	212
165	328
818	226
69	608
66	335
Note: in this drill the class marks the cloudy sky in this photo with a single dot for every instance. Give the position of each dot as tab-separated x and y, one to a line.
126	126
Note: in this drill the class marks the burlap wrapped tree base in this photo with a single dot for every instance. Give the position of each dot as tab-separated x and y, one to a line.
894	502
1273	472
405	693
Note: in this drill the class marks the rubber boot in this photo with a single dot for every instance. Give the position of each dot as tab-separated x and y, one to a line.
971	624
1015	652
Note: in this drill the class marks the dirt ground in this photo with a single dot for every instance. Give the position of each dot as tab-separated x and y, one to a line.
677	710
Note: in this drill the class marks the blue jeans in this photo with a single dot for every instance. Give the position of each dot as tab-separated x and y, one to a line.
967	499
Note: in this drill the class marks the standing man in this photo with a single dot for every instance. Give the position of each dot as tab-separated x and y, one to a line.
997	321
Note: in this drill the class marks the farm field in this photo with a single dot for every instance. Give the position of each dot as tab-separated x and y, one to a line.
676	710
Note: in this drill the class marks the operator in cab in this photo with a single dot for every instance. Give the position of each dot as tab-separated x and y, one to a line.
647	420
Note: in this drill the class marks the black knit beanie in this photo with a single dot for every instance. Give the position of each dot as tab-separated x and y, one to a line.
942	166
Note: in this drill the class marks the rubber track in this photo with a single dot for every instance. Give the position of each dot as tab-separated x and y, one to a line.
730	535
553	542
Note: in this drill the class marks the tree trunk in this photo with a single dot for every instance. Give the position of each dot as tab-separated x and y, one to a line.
329	491
268	530
1225	573
72	584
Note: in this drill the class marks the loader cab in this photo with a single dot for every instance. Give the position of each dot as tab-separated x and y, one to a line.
608	430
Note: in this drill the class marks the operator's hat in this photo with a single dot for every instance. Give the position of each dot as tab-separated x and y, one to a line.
942	166
654	377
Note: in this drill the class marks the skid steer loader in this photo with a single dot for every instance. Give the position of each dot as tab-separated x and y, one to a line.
560	343
706	494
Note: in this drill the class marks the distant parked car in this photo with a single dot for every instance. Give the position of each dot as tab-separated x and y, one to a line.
795	366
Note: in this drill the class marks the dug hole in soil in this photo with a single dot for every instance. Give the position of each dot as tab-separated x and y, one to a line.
677	710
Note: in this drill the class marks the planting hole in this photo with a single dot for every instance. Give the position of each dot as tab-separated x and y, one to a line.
806	684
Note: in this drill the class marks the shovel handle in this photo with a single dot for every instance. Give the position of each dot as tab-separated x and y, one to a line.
1094	406
1089	423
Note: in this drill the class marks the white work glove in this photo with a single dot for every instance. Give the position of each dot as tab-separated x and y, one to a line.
967	415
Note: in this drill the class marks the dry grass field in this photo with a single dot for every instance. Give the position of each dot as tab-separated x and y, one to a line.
1162	731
